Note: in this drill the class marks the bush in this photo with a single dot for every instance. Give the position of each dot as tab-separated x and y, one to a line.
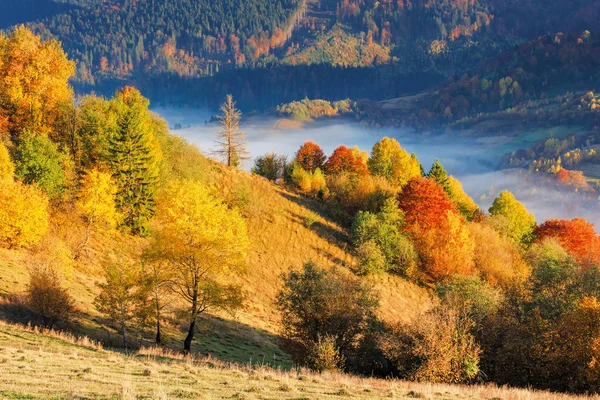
370	259
438	347
23	214
324	355
318	304
270	166
46	297
39	161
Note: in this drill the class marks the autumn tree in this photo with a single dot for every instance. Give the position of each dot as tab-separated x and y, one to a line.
310	156
520	224
465	204
47	297
446	249
343	160
231	142
390	160
202	241
34	81
497	259
7	168
425	204
97	203
577	236
39	161
97	126
156	277
134	156
123	296
23	214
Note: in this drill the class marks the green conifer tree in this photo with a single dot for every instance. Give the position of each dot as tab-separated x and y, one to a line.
438	173
132	164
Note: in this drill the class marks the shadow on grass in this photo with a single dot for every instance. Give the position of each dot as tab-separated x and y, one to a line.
218	338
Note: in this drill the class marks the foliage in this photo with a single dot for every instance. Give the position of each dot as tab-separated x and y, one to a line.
202	241
437	347
33	81
497	259
465	204
23	214
425	204
324	355
447	249
7	168
390	160
306	109
97	203
134	161
231	141
521	223
318	304
384	232
478	298
270	166
343	159
39	161
307	181
310	156
47	297
577	236
439	175
123	297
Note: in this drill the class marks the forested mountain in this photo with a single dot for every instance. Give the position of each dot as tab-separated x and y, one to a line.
158	44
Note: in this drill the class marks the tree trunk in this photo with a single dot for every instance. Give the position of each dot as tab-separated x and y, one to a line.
157	302
187	343
123	327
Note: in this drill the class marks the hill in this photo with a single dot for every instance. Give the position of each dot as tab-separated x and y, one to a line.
281	240
33	360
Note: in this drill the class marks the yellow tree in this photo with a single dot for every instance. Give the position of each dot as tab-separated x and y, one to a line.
390	160
23	214
231	141
465	204
203	241
97	203
512	218
7	168
34	80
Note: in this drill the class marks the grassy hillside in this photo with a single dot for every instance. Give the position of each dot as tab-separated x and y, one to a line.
286	231
42	365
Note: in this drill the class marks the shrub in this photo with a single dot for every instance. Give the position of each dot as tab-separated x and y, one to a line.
318	304
438	347
23	214
46	296
301	178
370	259
324	355
270	166
39	161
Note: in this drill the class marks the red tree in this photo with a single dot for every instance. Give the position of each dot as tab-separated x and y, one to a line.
343	160
310	156
577	236
425	204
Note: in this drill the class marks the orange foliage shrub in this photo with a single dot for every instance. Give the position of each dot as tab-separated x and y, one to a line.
310	156
343	159
577	236
425	204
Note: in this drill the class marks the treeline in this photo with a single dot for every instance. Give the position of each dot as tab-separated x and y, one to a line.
517	300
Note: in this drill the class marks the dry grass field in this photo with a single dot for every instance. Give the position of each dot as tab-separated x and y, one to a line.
52	365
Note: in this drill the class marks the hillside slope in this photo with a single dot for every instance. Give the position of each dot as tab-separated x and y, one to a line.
282	238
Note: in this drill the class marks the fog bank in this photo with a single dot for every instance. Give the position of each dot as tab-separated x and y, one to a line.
473	161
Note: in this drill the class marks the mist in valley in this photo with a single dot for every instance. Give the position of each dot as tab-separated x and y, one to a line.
474	161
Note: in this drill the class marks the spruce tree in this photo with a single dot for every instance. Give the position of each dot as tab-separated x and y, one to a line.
439	175
132	160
